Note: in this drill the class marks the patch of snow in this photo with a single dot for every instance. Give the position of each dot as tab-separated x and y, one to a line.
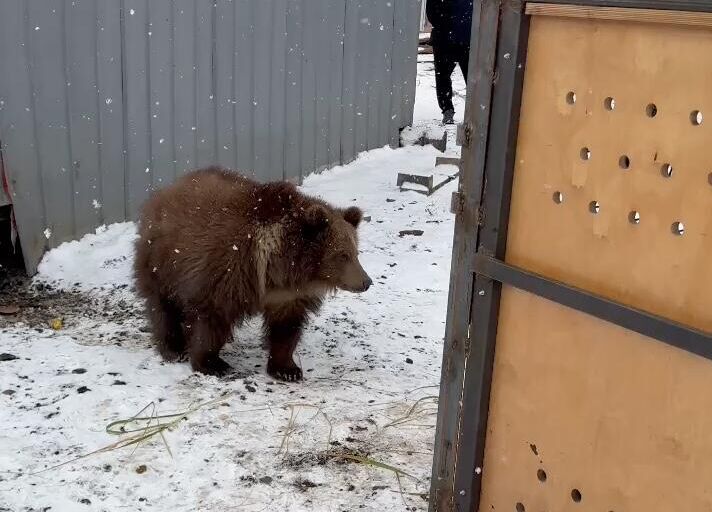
98	260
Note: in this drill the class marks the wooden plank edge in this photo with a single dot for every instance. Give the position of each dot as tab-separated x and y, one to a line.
680	18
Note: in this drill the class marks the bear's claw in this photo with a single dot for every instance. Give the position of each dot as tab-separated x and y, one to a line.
286	373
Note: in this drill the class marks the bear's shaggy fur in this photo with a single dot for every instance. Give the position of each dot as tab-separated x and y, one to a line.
215	248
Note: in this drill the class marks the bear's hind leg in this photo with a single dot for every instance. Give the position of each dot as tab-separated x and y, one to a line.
166	320
207	335
283	329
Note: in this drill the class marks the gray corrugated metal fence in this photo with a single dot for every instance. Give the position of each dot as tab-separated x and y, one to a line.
103	100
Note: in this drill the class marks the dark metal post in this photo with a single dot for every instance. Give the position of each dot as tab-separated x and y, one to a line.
485	24
499	170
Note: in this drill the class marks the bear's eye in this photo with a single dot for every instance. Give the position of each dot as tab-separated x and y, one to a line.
344	257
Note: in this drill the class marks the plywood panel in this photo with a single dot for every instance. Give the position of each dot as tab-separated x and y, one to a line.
641	264
623	419
585	415
700	19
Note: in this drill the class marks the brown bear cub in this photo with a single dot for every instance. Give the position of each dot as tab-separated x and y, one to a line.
215	248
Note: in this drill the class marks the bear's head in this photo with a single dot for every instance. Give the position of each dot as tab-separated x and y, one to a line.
335	232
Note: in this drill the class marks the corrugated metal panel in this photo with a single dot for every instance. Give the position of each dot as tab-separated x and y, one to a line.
102	101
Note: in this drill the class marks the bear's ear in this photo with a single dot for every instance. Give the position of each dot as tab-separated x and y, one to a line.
316	219
353	215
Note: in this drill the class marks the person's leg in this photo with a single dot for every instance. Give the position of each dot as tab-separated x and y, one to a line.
444	66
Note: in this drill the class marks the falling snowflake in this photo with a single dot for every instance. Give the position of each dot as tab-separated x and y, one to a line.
234	247
96	204
161	141
37	28
148	169
47	233
176	251
132	12
109	101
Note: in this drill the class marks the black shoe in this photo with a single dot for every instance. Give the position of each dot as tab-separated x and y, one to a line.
449	117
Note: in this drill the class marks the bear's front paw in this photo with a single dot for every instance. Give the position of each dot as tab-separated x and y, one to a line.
289	373
214	366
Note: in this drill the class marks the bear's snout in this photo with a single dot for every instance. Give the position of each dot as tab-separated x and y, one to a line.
365	283
355	279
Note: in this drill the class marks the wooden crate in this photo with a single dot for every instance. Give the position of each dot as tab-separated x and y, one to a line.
586	353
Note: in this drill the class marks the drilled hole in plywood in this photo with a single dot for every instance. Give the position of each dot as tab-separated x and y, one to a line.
576	495
594	207
634	217
519	507
678	228
651	110
571	98
541	475
585	153
558	197
696	117
609	103
624	162
666	170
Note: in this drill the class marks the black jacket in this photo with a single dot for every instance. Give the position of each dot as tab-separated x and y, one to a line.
451	21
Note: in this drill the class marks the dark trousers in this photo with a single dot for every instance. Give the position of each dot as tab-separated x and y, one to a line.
446	56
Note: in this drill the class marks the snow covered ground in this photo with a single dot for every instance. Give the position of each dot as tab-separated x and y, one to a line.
264	445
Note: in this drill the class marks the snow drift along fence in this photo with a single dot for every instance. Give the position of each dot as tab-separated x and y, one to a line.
103	100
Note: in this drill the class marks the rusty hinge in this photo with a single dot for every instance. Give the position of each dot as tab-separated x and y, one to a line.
464	135
457	206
